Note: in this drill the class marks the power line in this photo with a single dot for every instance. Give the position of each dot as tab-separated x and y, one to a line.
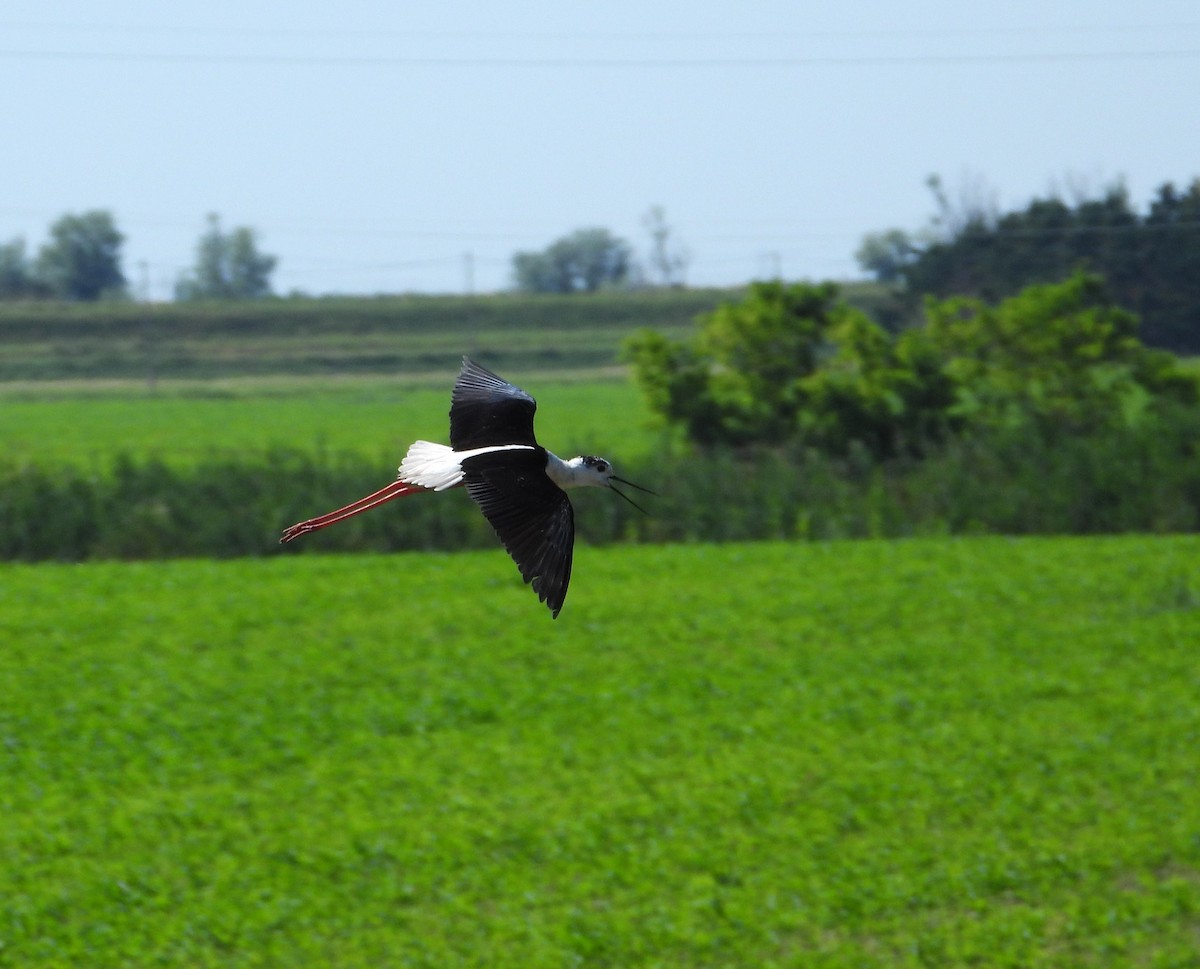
993	232
604	36
606	63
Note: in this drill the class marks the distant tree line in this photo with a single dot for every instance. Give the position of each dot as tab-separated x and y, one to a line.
1150	260
81	261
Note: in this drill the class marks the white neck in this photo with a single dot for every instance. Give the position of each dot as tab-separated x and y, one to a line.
570	474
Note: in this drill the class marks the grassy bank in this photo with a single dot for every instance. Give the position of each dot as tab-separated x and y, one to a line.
236	503
310	337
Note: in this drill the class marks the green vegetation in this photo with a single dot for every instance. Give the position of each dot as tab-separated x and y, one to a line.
1012	483
584	261
228	266
793	363
937	753
335	336
136	475
371	418
1042	415
1149	259
81	261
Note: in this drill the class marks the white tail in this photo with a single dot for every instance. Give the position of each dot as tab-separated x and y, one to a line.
431	466
438	467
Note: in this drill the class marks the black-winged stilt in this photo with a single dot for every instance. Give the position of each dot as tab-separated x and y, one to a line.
518	485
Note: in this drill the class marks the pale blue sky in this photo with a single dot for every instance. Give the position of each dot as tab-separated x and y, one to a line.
373	143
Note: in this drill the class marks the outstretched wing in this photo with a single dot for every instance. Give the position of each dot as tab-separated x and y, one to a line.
530	514
486	410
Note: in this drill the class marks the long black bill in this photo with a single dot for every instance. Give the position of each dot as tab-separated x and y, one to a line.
632	485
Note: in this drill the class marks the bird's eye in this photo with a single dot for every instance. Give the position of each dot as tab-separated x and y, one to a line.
601	466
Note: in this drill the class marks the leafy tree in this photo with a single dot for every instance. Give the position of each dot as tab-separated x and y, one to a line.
1165	282
1062	355
889	395
17	277
787	362
228	266
583	261
886	254
1149	260
793	364
82	260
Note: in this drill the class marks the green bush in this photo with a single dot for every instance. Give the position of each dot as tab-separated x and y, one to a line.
792	364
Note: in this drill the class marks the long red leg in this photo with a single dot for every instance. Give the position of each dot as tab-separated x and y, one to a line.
397	489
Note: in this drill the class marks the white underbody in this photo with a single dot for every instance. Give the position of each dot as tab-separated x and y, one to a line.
439	467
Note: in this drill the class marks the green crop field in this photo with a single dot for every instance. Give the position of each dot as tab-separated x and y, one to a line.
41	342
46	341
974	752
377	417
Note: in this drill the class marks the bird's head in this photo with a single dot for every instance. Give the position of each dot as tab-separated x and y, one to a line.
590	470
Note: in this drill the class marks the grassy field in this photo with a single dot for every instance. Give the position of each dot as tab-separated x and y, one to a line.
930	753
381	336
182	423
386	335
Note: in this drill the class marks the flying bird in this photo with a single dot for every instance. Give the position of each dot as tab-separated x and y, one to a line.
520	487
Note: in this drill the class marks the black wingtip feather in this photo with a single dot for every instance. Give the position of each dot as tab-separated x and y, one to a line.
485	409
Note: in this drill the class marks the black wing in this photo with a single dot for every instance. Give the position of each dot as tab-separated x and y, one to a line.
530	514
486	410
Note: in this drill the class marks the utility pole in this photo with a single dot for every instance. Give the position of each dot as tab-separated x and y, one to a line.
776	262
469	273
